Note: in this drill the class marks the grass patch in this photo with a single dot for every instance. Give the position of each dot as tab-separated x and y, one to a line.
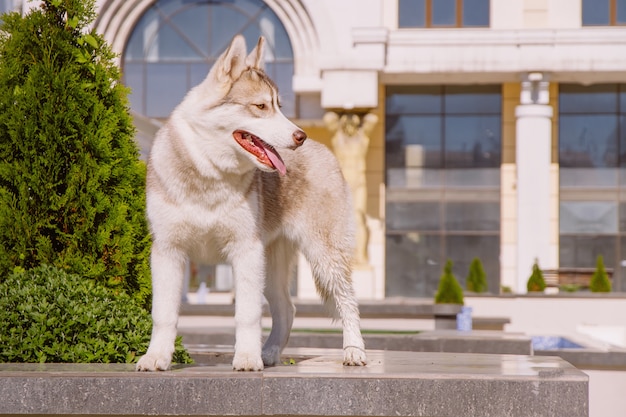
339	331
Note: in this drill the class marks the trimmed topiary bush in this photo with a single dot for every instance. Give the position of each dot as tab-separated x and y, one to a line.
450	291
536	282
600	280
47	315
72	188
476	278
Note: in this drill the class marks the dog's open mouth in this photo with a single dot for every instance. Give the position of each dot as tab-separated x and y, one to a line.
264	152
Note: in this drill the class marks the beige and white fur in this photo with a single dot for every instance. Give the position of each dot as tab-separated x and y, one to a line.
231	179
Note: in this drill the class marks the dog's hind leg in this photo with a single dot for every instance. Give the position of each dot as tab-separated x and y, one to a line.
332	275
167	281
280	257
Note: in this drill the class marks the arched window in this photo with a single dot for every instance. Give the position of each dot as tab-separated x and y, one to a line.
174	44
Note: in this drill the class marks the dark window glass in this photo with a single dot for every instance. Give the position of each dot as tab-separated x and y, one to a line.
413	265
414	100
198	72
622	142
444	12
620	17
133	74
473	99
475	13
622	214
466	216
166	85
411	13
596	12
223	23
418	131
414	216
463	133
582	251
601	98
196	31
588	217
7	6
472	141
171	44
443	156
592	146
462	249
588	141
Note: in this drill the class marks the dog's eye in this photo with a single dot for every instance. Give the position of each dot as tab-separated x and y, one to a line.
260	106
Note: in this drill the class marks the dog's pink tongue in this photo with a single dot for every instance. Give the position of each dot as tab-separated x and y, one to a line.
277	161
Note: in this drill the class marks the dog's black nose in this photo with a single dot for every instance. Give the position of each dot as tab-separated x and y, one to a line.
299	137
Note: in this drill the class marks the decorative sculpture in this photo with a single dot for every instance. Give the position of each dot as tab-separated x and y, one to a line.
350	144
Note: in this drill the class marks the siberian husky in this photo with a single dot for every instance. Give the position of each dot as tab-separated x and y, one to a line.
231	179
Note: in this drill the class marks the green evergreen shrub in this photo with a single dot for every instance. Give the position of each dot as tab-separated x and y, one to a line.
600	280
48	315
72	188
536	283
476	278
449	291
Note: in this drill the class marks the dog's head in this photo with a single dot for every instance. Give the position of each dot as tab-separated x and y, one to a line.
240	103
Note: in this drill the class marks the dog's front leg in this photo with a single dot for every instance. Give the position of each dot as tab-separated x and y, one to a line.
167	280
249	274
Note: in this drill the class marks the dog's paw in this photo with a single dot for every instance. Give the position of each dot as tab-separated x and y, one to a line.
247	362
354	356
271	356
153	362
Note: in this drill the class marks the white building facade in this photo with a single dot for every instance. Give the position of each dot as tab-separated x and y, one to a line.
502	130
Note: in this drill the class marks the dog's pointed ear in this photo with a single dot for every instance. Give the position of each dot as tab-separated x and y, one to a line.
255	59
230	64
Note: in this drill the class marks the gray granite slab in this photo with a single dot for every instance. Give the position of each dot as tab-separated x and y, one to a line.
393	383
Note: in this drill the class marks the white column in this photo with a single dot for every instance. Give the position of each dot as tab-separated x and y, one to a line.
533	155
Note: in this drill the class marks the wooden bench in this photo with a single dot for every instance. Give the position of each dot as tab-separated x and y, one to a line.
580	277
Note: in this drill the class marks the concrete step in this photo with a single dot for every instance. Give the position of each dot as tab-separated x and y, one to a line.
451	341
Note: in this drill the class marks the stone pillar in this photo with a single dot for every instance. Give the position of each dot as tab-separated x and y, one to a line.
533	157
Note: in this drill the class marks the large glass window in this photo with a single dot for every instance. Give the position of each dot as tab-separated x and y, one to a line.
443	156
604	12
175	43
443	13
592	158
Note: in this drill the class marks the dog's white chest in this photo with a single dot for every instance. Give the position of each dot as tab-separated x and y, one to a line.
213	226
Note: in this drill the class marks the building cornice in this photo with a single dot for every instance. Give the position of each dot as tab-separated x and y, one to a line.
586	55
